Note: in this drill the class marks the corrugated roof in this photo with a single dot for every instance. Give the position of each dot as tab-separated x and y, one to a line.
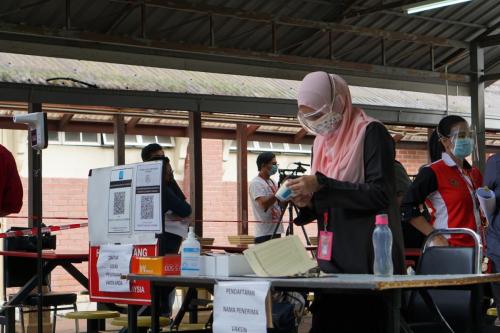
169	21
37	70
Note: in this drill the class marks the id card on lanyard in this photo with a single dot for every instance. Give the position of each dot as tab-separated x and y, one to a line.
325	242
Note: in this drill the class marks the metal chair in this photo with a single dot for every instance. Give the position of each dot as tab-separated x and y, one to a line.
445	308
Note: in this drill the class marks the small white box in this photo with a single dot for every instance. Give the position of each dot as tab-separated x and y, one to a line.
232	265
207	266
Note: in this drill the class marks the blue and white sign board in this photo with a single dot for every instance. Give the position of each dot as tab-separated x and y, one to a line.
241	307
124	204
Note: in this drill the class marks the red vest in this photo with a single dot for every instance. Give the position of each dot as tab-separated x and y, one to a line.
452	203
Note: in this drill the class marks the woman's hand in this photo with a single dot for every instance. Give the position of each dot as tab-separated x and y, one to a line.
440	240
302	201
304	185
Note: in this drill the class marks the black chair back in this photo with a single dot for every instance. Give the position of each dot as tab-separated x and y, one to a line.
453	304
447	260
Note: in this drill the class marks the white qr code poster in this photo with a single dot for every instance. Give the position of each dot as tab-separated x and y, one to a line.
119	206
124	203
148	198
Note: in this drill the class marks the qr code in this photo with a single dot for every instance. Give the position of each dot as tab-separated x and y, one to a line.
147	207
119	203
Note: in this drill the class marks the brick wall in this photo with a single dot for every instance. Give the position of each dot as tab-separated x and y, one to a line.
219	197
62	198
67	198
412	159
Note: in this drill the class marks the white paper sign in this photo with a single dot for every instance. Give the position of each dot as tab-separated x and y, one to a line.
240	307
148	198
113	262
119	207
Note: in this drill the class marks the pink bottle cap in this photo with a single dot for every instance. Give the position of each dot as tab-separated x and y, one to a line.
381	219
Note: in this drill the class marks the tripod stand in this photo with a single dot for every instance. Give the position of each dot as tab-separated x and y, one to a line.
291	208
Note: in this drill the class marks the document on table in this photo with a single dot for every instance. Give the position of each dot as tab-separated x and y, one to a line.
487	201
279	257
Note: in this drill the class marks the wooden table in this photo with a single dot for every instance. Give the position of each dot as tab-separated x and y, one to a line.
51	260
389	288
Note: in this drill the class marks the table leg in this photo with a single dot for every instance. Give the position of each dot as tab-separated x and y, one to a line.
92	326
193	308
132	319
10	319
190	295
76	274
392	300
155	310
476	309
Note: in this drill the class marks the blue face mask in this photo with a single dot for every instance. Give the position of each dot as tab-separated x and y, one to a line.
273	170
463	148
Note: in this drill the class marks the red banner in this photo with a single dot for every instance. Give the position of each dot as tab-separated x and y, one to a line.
139	290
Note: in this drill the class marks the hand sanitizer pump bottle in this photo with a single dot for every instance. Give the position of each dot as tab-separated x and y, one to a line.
190	255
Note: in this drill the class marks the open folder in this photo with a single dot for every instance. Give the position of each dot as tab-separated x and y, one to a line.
280	257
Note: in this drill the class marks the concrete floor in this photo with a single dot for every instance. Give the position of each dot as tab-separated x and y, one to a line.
64	325
68	326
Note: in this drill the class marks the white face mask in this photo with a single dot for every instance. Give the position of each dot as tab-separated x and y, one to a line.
326	119
325	124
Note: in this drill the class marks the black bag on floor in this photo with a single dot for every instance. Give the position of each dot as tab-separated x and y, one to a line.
283	317
287	311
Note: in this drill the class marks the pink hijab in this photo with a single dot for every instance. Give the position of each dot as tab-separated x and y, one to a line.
338	155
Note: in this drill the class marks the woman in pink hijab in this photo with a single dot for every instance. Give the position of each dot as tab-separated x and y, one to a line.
352	181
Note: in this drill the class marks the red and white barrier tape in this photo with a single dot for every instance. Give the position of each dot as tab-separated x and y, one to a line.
47	218
85	219
34	231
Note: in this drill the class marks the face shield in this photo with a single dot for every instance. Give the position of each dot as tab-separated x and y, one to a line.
327	118
463	141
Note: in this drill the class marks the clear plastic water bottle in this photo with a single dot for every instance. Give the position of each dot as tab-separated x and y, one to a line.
382	246
190	255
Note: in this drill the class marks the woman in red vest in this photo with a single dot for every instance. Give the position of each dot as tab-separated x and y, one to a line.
447	186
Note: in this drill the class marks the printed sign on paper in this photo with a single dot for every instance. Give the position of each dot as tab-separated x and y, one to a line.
241	307
113	262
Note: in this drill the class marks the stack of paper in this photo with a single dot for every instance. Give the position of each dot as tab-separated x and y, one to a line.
206	241
280	257
241	239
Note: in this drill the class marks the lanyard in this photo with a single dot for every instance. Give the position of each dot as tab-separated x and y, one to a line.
467	179
272	187
472	191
